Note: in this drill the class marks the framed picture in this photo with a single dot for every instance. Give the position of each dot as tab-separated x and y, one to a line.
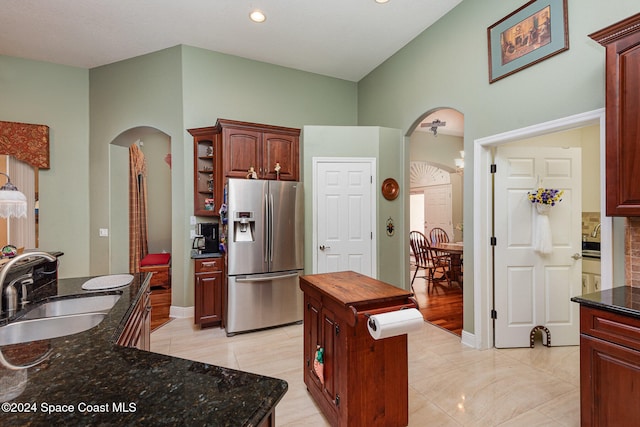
531	34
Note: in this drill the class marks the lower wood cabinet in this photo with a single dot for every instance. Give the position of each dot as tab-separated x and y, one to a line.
364	381
609	368
209	278
137	330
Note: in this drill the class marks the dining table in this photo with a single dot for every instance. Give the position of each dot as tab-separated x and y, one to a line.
454	250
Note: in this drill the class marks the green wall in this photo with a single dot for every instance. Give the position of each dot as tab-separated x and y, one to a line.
57	96
446	66
185	87
363	142
142	91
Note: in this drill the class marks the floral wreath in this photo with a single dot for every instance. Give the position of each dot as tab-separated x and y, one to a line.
545	196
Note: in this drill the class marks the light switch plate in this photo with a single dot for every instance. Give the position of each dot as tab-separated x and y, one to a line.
104	232
193	220
193	234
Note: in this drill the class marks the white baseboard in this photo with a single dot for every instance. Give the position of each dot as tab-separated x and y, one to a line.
468	339
181	312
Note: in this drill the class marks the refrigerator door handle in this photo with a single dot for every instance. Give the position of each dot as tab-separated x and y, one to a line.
270	228
266	278
265	231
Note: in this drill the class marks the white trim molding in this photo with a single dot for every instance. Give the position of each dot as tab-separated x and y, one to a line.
482	159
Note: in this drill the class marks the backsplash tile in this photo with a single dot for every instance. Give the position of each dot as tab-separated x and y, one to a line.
632	252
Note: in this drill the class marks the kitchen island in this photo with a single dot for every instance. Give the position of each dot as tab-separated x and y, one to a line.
87	379
609	356
363	381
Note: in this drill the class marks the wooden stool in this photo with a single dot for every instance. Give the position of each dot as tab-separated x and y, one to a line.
159	265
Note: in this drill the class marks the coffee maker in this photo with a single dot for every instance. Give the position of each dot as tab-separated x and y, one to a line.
207	239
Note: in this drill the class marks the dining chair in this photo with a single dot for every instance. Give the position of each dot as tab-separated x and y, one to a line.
438	235
421	255
440	263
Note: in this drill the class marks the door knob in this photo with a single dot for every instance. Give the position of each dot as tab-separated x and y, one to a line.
323	247
576	256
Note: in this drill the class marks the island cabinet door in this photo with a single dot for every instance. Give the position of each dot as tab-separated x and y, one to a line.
609	383
332	357
311	339
319	333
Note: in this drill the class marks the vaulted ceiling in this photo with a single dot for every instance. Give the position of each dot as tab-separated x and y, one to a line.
337	38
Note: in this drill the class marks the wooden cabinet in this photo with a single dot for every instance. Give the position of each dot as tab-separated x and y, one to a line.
261	147
230	148
590	275
609	368
365	381
207	171
209	277
137	331
622	43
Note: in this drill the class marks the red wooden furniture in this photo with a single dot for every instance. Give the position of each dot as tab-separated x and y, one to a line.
159	265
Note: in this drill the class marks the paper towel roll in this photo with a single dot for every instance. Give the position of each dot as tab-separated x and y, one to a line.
394	323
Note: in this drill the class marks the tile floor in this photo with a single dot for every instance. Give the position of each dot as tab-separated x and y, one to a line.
449	384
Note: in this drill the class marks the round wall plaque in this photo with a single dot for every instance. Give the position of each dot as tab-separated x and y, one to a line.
390	189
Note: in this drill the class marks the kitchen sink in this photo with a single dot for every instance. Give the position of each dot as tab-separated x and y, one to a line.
48	327
64	307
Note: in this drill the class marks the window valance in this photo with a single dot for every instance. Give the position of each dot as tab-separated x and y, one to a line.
26	142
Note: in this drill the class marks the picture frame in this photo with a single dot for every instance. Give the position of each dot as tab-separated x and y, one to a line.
536	31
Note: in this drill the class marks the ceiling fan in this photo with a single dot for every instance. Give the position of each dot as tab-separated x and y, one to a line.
433	126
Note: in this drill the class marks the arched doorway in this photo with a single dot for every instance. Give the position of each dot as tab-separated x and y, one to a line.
156	145
436	155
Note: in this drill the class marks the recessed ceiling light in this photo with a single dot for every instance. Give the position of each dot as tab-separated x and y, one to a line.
381	1
257	16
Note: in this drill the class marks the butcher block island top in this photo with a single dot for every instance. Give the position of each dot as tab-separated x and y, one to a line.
354	289
354	379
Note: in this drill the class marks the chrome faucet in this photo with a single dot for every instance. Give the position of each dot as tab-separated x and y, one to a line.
24	280
594	233
9	291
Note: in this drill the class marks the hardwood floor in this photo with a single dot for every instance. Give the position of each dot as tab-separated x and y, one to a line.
442	306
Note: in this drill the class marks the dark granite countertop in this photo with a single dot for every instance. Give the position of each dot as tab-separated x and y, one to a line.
622	300
89	380
196	255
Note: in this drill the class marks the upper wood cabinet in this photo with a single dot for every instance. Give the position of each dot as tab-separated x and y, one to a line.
622	43
207	171
230	149
261	147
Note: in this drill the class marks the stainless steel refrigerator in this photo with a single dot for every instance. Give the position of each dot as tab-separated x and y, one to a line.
265	254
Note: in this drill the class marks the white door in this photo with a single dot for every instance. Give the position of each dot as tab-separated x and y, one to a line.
533	289
437	209
345	210
416	217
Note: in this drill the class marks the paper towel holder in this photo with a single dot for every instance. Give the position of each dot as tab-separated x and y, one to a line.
372	324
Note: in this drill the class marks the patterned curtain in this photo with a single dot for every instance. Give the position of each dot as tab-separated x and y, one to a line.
138	227
26	142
